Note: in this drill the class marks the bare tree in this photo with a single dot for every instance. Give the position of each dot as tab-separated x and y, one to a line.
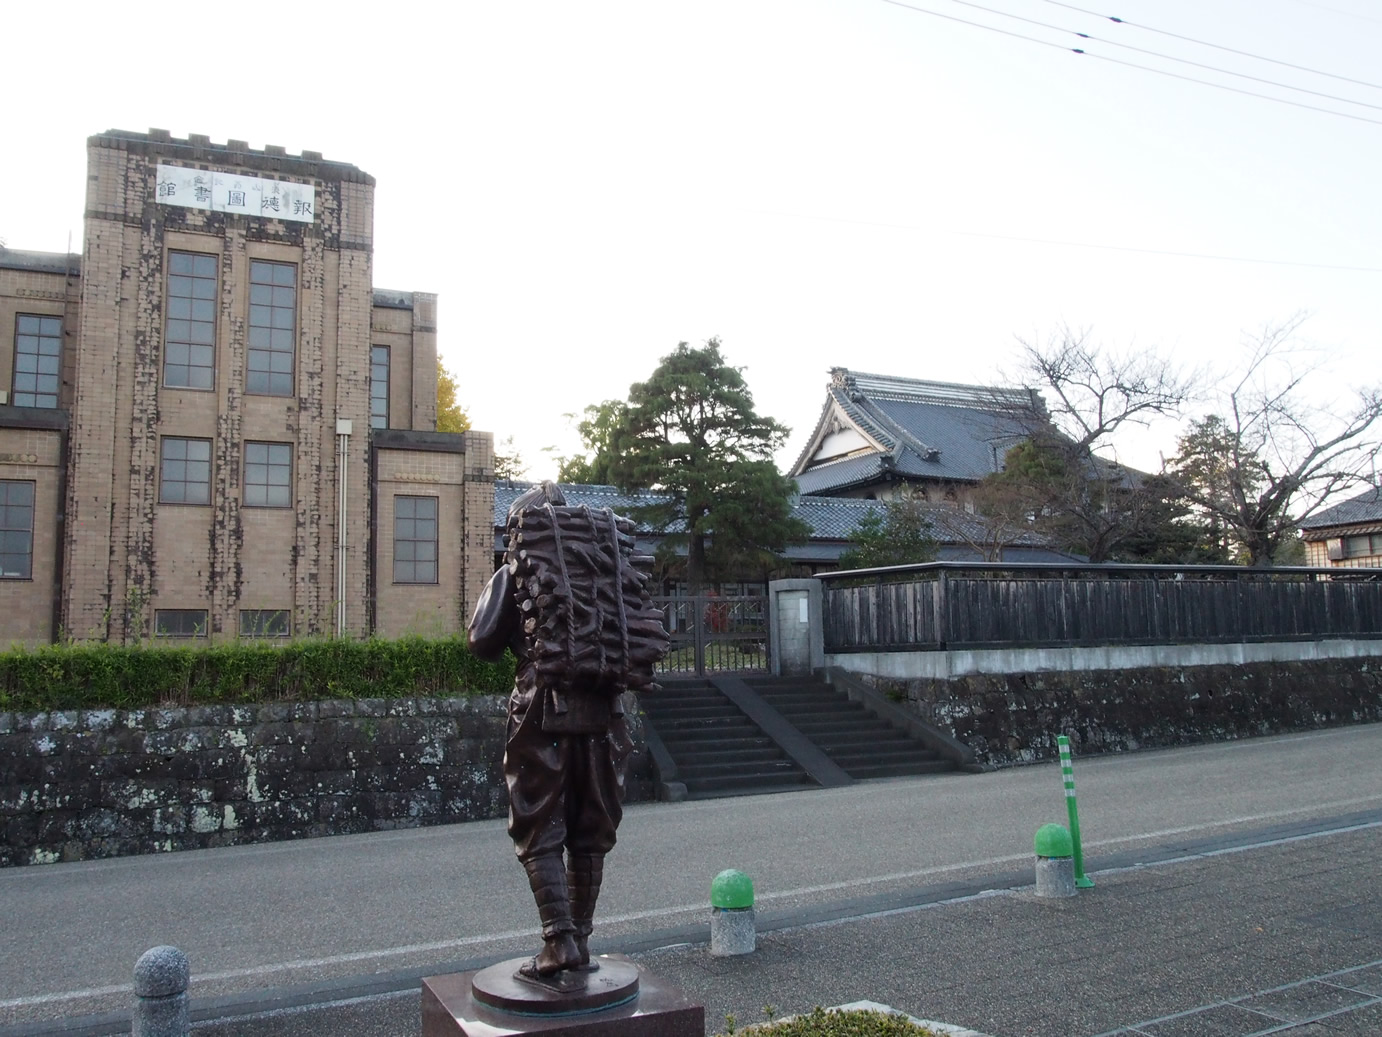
1268	459
1059	472
1091	392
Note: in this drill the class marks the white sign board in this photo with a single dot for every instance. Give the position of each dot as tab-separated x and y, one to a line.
235	192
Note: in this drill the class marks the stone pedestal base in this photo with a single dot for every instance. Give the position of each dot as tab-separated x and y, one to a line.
1055	876
618	1000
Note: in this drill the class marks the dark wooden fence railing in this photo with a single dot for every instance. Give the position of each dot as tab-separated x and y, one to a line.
944	605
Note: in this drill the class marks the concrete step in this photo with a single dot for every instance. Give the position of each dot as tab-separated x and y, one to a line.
740	769
744	786
740	754
898	770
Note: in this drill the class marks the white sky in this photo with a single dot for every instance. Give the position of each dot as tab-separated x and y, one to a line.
817	182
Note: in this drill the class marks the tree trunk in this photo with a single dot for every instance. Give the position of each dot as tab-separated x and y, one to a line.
695	562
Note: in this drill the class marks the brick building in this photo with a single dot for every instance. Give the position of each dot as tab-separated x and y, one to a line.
212	424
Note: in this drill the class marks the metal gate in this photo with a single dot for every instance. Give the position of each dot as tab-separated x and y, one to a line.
714	633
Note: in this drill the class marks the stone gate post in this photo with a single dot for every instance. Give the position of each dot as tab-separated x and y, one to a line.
794	626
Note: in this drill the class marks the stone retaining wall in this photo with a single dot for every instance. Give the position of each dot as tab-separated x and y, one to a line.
106	783
1012	718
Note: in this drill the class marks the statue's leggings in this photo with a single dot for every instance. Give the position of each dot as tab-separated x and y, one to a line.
566	791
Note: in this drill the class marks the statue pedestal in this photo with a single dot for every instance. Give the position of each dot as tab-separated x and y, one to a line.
617	1000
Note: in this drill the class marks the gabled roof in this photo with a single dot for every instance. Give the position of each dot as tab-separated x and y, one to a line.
1366	507
877	427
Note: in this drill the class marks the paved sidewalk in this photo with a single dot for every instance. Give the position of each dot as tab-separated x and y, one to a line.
1212	920
1284	938
1280	939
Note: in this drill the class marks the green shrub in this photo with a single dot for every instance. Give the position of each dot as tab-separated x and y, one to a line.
102	676
821	1022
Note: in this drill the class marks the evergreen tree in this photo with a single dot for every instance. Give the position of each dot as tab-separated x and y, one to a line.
898	535
691	433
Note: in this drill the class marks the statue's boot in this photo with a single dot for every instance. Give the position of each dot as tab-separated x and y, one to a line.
583	874
547	877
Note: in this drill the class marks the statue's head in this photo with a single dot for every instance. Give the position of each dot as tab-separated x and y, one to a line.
545	492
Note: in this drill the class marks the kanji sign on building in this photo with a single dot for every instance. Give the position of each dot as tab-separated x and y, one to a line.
236	192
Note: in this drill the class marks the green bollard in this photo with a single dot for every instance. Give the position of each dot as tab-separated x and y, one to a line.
1067	771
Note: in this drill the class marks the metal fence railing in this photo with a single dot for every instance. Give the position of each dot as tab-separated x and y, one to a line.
715	634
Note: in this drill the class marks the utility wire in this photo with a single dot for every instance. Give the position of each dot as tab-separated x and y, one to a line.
1216	46
1077	244
1130	64
1167	57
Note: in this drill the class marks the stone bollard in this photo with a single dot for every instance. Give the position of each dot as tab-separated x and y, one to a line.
1055	862
160	988
731	914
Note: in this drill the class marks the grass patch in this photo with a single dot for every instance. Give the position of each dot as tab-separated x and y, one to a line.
103	676
834	1022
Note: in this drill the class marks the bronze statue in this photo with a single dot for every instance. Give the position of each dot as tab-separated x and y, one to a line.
572	605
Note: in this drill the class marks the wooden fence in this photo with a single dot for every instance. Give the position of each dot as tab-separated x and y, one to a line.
945	605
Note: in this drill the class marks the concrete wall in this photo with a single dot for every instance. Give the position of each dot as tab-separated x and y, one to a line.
947	665
106	783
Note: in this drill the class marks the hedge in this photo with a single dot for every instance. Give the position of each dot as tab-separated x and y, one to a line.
102	676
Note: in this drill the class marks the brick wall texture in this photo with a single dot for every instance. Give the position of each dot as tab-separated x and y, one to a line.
130	550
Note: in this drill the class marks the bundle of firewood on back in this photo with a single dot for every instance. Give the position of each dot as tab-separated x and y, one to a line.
587	617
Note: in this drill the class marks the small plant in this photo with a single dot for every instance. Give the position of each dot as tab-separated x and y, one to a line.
834	1022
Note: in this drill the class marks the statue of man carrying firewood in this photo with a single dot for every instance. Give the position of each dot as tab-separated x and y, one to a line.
571	603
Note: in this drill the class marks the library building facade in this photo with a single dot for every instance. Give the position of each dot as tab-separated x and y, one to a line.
213	425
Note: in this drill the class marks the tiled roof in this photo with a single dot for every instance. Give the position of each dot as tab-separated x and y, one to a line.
591	495
1366	507
830	518
934	430
41	262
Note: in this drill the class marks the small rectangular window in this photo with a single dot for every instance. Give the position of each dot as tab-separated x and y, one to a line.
415	540
379	387
179	622
1357	546
264	623
189	336
37	360
184	468
272	328
268	475
16	529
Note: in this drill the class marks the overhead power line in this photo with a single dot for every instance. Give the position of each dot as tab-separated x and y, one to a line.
1217	46
1167	57
1079	244
1132	64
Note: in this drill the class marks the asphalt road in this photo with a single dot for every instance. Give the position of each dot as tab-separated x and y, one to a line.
350	915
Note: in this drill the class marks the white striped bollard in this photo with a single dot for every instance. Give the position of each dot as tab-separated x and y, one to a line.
1067	771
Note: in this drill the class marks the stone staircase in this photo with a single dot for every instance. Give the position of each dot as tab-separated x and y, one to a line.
733	736
717	749
863	745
